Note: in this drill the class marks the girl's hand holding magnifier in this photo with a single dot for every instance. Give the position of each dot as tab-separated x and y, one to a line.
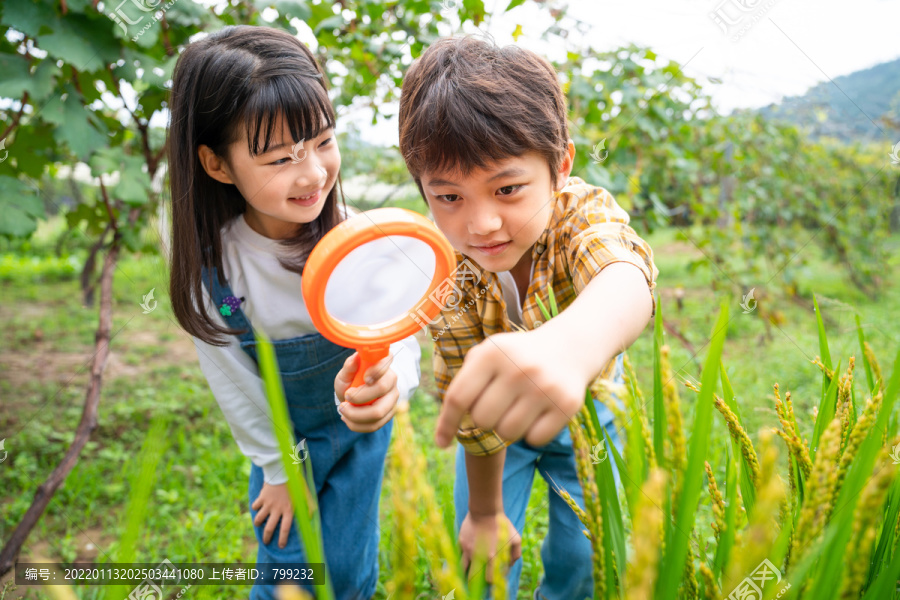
370	406
392	255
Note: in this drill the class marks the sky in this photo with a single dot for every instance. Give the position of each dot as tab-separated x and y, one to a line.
773	49
777	48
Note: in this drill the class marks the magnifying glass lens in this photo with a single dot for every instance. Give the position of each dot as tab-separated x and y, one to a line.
380	280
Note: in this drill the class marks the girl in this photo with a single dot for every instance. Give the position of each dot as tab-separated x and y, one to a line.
254	184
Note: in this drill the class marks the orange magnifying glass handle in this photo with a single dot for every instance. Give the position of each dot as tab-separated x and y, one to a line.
372	342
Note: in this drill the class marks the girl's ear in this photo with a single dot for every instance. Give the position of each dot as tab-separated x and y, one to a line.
214	166
565	168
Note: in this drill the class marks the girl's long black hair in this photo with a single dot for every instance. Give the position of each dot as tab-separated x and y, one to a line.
238	80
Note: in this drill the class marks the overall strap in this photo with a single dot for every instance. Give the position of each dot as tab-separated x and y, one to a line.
228	305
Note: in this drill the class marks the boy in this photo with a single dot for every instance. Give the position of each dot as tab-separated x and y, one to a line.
483	132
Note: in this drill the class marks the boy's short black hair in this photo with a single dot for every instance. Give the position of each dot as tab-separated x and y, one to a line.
467	103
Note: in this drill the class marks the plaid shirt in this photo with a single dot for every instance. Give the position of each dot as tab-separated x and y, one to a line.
586	232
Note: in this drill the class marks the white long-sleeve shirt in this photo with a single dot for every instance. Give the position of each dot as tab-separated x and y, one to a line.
273	304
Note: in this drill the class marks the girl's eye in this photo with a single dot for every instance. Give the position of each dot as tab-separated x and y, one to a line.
326	142
451	198
280	161
508	190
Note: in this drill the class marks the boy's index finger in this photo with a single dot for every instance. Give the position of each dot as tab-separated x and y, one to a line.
461	395
448	422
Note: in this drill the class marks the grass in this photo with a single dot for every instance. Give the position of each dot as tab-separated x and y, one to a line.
197	509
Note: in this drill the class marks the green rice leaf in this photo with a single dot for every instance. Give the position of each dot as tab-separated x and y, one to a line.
748	492
672	565
636	452
305	503
885	546
798	575
827	407
631	490
823	344
142	480
886	582
554	310
659	409
857	476
870	378
726	538
542	307
613	525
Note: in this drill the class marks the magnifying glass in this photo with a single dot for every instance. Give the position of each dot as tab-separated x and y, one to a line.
364	278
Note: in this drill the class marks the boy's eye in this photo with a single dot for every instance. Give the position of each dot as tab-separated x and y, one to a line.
448	197
507	190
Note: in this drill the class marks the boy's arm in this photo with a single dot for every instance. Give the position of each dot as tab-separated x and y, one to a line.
480	527
620	293
529	384
485	477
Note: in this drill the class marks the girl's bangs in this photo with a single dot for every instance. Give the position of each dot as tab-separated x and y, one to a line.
300	99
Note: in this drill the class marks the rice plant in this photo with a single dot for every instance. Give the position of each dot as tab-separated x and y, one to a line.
786	517
827	528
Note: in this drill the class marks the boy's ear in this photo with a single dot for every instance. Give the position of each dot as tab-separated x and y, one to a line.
214	166
565	167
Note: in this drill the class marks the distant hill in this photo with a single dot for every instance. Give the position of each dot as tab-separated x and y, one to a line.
845	113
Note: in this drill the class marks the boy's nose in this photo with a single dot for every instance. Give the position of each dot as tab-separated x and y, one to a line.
483	221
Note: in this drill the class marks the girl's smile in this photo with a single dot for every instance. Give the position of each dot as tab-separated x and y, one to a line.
281	193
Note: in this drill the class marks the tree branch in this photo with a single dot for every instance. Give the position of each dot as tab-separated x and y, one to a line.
15	120
86	426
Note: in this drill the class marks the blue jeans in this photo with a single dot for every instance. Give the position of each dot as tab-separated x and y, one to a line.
565	551
347	467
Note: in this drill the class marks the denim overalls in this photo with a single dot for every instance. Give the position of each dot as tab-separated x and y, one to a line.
565	551
347	466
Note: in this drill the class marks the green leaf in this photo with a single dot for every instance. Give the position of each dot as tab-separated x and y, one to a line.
659	409
858	476
291	9
827	407
885	546
554	309
748	492
886	582
141	484
134	184
329	24
26	17
823	341
862	352
542	307
726	538
623	469
302	491
672	564
105	161
18	79
514	4
613	524
76	127
86	44
638	468
21	208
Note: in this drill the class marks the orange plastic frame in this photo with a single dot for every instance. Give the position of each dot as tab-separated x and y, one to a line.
372	342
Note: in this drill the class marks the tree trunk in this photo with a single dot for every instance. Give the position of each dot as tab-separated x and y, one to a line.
85	427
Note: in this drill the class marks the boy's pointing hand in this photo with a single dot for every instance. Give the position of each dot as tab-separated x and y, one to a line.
522	384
